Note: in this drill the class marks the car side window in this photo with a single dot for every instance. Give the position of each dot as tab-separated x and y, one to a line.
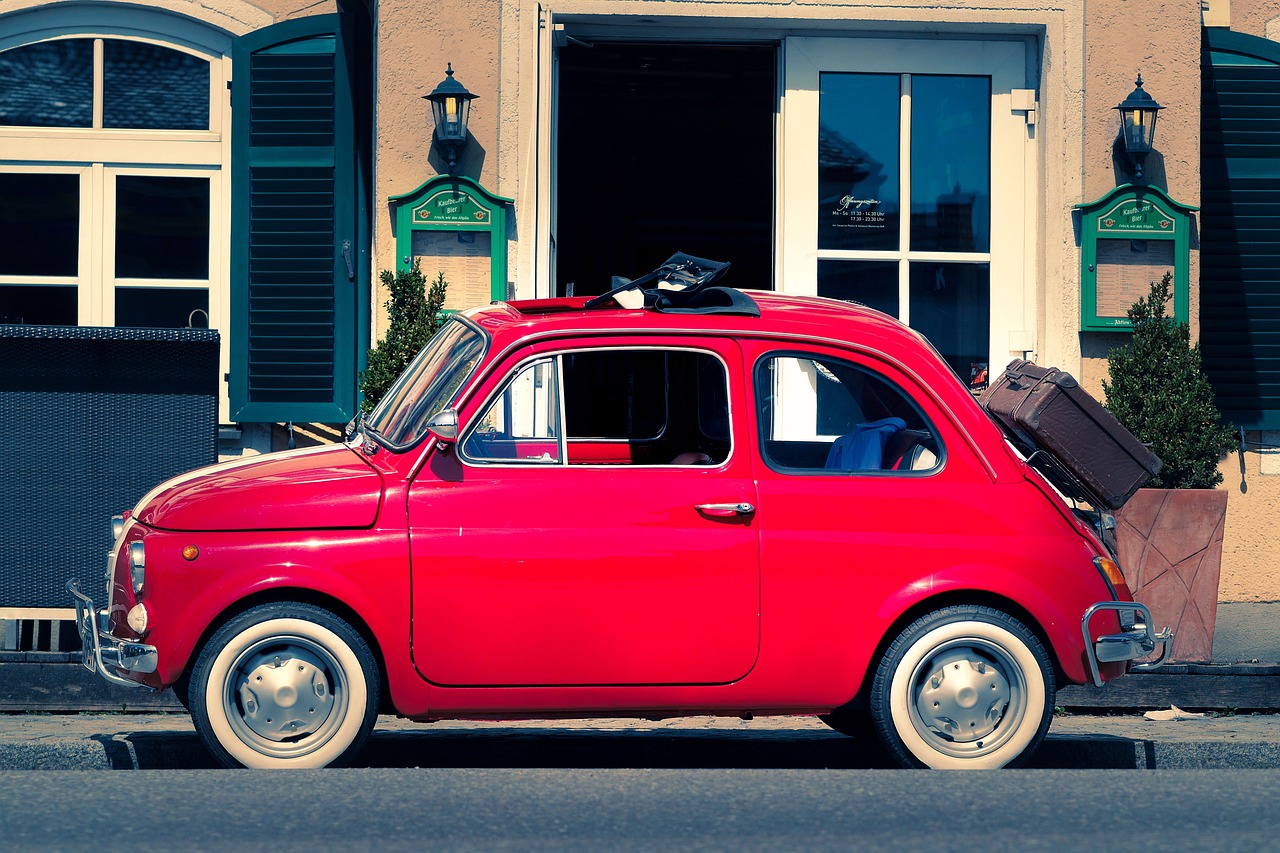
819	414
616	406
522	423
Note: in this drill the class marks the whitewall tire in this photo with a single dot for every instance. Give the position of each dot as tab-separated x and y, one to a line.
963	688
284	685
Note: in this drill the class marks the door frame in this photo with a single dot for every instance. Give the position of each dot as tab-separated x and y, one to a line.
1012	250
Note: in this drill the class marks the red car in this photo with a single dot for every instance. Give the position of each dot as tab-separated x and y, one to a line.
740	504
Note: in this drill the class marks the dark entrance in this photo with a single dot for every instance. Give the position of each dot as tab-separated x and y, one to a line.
664	148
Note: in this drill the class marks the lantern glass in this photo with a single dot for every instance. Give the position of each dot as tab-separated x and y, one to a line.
1139	129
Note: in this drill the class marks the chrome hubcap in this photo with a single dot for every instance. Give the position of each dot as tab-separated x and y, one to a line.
963	696
284	694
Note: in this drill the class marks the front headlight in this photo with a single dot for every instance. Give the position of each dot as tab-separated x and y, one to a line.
137	566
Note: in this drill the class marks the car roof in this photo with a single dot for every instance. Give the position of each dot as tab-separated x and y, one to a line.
781	314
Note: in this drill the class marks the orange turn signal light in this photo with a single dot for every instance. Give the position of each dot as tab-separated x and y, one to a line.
190	552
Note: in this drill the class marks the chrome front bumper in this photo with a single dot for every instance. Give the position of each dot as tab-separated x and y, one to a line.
101	651
1137	642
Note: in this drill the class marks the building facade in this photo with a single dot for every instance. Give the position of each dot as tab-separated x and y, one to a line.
254	166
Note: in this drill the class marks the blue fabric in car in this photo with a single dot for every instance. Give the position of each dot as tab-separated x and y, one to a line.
863	448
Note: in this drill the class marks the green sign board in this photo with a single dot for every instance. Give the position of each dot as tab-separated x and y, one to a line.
451	205
1129	238
453	226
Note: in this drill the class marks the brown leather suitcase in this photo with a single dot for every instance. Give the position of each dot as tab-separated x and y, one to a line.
1045	411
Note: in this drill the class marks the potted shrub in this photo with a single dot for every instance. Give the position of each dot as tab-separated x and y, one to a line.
1169	535
415	312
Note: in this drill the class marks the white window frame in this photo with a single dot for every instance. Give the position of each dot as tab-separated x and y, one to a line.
100	154
1013	236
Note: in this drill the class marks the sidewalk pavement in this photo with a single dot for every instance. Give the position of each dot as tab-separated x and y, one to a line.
92	741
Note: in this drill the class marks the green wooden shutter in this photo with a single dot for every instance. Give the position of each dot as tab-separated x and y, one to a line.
1240	222
299	250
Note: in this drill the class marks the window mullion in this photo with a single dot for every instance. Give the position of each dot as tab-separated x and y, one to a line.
904	216
98	75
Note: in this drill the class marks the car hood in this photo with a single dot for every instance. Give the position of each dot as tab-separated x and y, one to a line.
314	488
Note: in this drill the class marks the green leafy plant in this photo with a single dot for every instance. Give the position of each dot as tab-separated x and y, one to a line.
414	309
1159	392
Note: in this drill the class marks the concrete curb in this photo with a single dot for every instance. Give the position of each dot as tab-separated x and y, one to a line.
168	741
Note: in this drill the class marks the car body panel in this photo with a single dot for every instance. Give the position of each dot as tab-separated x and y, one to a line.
321	488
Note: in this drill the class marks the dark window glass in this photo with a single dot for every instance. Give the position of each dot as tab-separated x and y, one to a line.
39	224
38	306
615	394
858	161
49	84
872	283
162	307
951	164
951	306
152	87
162	227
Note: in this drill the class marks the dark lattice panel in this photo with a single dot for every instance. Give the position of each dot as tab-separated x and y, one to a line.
95	418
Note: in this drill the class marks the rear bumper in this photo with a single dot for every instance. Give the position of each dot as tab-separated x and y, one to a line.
102	652
1137	642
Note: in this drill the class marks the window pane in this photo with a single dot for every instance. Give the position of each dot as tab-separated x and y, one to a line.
39	224
826	414
872	283
615	394
162	227
523	423
162	307
49	84
951	164
153	87
951	306
38	306
858	161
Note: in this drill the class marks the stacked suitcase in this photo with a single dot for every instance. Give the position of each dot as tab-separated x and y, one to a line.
1091	456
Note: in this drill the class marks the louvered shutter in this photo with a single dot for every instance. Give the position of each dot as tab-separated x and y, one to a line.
296	241
1240	214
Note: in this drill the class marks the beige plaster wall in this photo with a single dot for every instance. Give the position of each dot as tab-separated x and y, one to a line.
1162	41
415	43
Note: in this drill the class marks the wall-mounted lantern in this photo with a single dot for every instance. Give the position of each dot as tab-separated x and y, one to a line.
1138	114
450	108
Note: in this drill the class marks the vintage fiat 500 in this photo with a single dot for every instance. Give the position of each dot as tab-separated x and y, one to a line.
742	505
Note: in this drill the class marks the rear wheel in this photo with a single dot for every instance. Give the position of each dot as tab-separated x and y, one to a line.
284	685
963	688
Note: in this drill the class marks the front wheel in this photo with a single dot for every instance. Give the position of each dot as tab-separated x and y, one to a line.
963	688
284	685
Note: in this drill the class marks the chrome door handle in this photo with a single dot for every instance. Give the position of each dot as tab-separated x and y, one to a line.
725	510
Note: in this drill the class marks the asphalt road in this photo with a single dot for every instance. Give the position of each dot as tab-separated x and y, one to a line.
635	809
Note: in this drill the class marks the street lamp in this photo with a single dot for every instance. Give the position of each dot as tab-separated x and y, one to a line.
1138	114
450	106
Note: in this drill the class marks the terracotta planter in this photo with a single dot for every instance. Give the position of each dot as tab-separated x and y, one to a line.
1170	544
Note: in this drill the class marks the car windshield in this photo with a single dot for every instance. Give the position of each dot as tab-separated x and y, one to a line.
428	385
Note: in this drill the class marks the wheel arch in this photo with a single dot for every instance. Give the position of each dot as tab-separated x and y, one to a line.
301	595
955	598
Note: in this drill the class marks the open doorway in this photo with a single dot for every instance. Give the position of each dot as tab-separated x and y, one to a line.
664	148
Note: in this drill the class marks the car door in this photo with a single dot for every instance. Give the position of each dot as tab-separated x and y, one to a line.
868	493
594	524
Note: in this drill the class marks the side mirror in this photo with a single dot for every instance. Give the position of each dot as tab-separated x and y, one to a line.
444	426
